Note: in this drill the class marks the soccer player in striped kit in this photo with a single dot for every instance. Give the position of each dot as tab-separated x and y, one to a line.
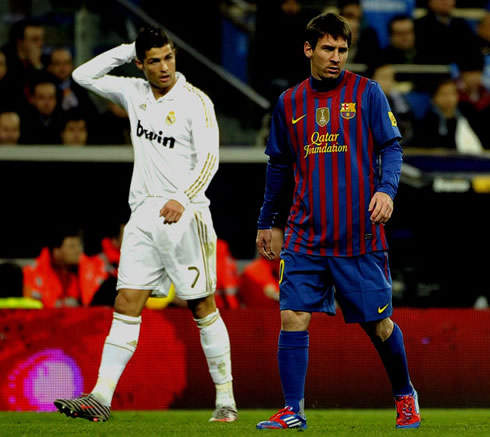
169	238
336	133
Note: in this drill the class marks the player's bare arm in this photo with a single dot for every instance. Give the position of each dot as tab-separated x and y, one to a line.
264	243
172	211
380	207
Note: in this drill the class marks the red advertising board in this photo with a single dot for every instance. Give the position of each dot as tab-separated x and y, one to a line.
46	354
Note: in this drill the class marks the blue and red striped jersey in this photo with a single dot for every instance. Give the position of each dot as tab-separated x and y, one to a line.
334	140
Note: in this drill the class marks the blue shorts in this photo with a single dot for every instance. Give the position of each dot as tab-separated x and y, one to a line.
361	285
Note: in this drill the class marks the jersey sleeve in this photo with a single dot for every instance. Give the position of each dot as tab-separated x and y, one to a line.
278	141
93	76
381	119
278	167
391	163
205	136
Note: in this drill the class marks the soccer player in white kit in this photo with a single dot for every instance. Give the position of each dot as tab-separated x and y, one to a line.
170	236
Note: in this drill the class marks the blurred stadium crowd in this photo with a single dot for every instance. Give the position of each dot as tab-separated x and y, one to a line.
431	57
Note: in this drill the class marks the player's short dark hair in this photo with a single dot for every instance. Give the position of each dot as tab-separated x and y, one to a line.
328	23
150	37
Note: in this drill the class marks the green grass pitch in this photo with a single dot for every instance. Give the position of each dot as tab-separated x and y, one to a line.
338	423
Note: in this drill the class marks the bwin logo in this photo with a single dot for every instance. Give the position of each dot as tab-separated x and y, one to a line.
150	135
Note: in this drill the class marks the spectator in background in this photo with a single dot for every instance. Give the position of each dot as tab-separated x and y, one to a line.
401	49
74	130
441	38
444	127
72	95
41	123
203	17
24	55
62	275
273	71
9	100
384	74
365	43
483	36
474	99
9	128
3	66
11	283
226	277
104	266
53	277
113	126
259	282
378	13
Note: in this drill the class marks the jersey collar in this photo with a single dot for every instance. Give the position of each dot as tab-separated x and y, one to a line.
180	81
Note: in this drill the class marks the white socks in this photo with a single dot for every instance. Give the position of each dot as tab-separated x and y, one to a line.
119	347
216	347
122	340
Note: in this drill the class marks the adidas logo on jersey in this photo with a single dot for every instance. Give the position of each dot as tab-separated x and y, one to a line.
150	135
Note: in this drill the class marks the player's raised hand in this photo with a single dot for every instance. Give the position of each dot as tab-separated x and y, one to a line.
172	211
380	207
263	242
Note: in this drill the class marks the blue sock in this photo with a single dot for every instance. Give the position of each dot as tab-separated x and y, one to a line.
292	356
392	353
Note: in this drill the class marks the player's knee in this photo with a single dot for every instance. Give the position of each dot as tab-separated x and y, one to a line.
384	328
294	320
202	308
130	304
379	330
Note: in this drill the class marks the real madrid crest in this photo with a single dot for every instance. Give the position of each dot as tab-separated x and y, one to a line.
170	118
322	116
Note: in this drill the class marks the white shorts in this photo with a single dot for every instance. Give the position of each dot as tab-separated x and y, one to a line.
154	255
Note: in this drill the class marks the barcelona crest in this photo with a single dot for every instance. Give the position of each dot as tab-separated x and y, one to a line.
347	110
322	116
170	118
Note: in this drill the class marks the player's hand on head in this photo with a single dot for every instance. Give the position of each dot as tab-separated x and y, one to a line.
264	243
172	211
381	208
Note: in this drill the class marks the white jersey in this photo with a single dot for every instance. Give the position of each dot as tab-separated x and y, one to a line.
175	138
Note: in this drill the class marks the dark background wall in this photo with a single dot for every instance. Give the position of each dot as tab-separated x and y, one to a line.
438	240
